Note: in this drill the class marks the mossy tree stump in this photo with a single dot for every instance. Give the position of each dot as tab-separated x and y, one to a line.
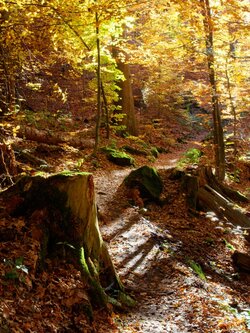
61	209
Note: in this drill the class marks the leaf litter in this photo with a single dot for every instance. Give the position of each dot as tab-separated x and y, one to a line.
177	266
152	248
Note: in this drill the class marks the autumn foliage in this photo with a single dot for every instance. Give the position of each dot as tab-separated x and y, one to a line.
138	78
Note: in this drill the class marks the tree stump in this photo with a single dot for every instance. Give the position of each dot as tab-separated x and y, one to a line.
204	191
61	209
190	184
241	261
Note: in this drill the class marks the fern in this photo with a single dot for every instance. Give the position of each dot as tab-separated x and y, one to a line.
197	269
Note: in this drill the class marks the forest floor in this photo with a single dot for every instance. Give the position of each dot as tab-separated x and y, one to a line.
177	266
153	249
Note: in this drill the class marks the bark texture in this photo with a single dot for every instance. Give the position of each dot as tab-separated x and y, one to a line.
219	147
61	209
205	192
82	140
126	94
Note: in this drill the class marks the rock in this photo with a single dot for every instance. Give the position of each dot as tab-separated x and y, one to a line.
135	151
120	158
147	180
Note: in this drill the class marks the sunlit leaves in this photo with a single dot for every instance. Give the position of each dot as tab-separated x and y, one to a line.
165	37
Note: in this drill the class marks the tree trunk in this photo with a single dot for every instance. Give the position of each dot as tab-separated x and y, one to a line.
99	85
218	130
233	110
66	205
126	94
213	200
7	164
107	118
203	191
7	82
54	138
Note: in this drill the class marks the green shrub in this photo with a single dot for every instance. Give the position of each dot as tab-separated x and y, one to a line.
192	156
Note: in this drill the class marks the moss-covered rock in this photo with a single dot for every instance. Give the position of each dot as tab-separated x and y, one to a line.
136	151
144	151
147	180
120	157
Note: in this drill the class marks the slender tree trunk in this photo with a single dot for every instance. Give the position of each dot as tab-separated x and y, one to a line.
218	130
99	88
7	97
106	111
232	108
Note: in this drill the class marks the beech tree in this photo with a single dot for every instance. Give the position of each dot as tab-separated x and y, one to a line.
218	130
126	99
169	40
68	30
179	39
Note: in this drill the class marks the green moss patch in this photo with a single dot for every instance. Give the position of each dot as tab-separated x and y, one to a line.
147	180
118	157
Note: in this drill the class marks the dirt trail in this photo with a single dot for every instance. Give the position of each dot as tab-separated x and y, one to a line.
107	182
134	252
150	250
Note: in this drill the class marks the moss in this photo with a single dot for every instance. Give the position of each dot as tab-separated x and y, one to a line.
148	181
120	157
98	294
71	173
135	151
155	152
90	274
83	263
126	299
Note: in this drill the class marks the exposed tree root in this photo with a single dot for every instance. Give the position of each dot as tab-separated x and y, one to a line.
61	209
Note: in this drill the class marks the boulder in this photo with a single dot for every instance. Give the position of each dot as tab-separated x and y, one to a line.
120	158
147	180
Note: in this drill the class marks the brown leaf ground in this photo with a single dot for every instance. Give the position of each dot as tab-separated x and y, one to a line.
153	249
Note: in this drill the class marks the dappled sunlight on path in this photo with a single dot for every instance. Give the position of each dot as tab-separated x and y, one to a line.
151	249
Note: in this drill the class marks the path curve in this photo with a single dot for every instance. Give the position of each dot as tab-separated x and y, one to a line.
134	247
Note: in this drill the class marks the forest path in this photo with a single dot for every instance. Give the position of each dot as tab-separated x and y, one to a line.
141	252
151	247
108	181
